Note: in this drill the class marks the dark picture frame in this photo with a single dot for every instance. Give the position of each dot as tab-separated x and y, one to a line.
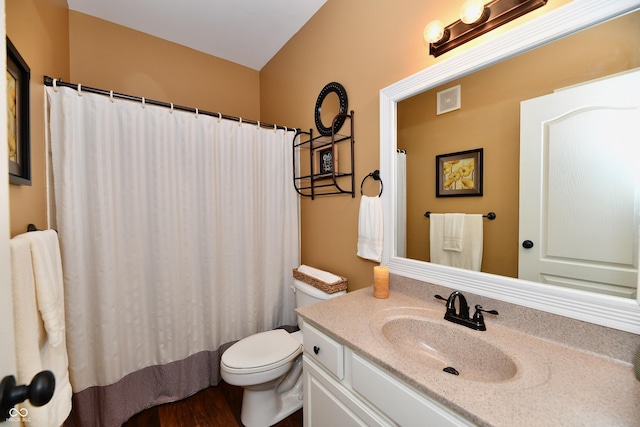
18	119
327	161
459	174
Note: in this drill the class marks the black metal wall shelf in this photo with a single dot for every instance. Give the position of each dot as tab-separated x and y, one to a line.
324	174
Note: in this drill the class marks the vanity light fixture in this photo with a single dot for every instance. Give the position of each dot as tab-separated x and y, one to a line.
476	18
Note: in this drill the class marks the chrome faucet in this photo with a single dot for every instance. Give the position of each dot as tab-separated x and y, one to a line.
461	316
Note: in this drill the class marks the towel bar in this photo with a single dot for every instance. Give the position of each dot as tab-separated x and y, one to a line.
490	216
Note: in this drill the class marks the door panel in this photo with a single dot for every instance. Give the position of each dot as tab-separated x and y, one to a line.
579	186
7	356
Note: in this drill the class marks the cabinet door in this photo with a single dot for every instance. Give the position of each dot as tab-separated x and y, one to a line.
326	403
399	402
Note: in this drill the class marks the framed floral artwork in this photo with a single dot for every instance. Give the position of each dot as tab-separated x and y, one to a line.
18	75
459	174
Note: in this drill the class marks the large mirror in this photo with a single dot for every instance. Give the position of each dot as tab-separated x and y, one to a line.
497	76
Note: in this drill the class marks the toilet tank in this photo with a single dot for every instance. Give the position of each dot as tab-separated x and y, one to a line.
307	294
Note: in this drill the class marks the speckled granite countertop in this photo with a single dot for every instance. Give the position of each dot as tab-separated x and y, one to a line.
555	385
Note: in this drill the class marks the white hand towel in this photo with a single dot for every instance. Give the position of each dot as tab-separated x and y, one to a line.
32	341
47	270
453	232
321	275
370	228
470	257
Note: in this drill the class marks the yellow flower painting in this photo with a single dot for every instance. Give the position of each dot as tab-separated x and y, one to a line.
11	117
460	173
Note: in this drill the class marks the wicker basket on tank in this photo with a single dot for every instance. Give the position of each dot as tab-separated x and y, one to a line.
329	288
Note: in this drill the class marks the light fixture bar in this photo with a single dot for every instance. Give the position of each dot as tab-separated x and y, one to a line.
499	13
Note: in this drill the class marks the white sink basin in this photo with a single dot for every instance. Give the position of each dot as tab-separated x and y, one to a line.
427	339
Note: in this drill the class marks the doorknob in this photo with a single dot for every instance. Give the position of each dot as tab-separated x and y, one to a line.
39	392
527	244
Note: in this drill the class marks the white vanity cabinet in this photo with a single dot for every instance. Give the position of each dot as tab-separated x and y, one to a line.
342	388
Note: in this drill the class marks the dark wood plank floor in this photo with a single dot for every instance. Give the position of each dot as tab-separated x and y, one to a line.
212	407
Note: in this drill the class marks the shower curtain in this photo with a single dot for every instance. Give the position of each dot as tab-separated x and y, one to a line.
179	233
401	203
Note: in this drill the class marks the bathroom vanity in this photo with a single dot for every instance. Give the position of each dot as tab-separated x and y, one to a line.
342	388
380	362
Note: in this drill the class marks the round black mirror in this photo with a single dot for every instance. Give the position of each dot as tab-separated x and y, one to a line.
333	100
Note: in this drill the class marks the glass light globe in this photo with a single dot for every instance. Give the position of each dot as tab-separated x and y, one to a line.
434	31
471	11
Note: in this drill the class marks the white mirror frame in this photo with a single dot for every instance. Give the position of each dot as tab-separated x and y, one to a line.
614	312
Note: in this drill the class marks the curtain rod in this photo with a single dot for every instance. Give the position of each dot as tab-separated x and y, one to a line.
49	81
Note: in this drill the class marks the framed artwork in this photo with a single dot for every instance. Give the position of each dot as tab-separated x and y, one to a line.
459	174
18	75
327	161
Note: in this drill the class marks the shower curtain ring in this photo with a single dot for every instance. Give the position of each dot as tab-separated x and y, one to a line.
275	128
79	89
240	122
171	111
258	124
196	113
219	117
143	102
111	96
55	85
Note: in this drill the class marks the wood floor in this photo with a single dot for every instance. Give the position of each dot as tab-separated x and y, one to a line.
212	407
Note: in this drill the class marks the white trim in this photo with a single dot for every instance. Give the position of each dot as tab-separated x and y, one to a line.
615	312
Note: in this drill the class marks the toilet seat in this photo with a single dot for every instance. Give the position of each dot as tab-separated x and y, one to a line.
261	352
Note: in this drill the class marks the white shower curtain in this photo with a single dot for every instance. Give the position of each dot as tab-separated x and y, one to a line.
179	233
401	203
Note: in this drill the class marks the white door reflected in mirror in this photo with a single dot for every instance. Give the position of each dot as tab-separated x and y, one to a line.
579	186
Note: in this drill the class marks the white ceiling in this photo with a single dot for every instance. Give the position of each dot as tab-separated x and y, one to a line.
247	32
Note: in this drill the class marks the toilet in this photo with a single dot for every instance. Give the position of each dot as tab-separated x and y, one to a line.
269	367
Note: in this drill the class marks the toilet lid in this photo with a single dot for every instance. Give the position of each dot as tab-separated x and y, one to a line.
262	351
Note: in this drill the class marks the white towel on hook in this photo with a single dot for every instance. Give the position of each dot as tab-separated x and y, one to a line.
47	270
30	252
453	232
470	257
370	228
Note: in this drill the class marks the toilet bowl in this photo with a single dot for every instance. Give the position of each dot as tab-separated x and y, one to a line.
269	367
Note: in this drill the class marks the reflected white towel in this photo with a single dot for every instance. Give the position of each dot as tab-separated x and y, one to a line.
453	232
32	341
321	275
370	228
470	257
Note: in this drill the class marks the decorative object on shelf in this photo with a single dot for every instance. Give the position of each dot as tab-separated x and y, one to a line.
476	18
381	282
459	174
376	176
335	111
18	134
327	160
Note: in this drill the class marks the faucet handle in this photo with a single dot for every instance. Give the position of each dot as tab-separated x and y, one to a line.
479	310
440	297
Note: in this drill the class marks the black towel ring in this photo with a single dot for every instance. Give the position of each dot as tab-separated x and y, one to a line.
376	176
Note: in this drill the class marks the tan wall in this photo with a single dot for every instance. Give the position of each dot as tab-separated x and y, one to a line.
365	46
39	30
113	57
489	119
